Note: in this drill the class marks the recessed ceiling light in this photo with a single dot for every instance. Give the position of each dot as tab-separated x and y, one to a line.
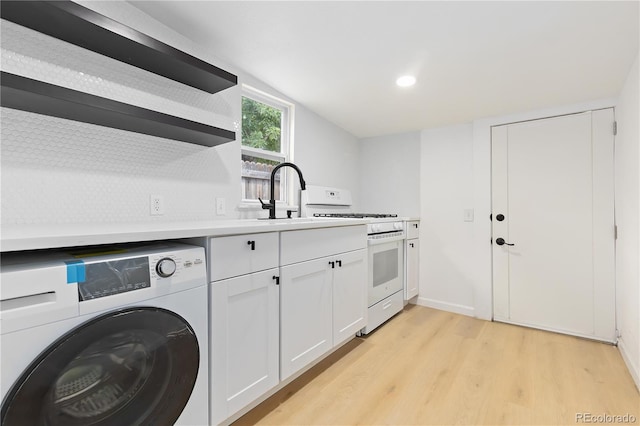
406	81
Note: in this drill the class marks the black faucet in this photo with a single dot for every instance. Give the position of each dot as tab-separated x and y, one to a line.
271	205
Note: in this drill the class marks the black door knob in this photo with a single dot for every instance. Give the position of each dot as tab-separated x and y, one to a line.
501	242
500	217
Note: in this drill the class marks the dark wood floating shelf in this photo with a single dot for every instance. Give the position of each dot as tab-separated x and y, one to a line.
83	27
43	98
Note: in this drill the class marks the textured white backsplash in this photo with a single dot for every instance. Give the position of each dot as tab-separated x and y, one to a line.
63	171
57	171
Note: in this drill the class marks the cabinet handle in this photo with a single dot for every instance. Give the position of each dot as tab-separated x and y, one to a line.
333	264
415	225
410	244
339	262
252	244
277	279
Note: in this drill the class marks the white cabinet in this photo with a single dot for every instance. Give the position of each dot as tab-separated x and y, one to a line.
305	314
349	295
413	229
242	254
244	321
412	260
323	304
307	244
323	301
413	266
264	330
244	341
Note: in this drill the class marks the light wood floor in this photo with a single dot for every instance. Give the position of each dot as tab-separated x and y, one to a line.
432	367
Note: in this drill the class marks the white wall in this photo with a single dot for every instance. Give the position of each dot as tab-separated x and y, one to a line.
327	154
446	240
59	172
627	163
390	174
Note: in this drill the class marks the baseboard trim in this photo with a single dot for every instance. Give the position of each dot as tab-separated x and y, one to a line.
631	366
446	306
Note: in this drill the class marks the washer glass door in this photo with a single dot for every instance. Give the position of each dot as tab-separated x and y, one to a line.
132	366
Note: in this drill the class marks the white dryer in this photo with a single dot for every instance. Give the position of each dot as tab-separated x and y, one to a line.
111	338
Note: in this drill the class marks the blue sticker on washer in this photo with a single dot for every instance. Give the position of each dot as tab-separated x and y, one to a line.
75	271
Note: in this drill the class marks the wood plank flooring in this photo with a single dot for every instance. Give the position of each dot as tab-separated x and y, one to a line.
429	367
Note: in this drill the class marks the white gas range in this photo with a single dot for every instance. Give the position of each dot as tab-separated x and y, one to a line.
385	236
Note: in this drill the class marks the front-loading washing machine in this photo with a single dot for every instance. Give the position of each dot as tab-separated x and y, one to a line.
114	336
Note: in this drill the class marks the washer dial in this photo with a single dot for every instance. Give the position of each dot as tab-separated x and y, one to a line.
166	267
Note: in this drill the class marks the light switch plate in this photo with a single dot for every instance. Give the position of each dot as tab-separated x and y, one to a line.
468	215
221	206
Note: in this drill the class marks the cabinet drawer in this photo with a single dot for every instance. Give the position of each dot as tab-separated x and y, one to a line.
306	244
379	312
242	254
413	229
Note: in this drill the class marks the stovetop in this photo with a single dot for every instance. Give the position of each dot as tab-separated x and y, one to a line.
355	215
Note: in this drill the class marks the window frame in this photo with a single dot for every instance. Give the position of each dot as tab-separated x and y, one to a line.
286	141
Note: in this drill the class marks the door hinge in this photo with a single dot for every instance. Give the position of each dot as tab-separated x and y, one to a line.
615	128
615	232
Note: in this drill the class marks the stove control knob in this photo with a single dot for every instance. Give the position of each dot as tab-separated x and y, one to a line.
375	228
166	267
397	226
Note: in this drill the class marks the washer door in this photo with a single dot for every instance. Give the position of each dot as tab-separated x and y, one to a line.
129	367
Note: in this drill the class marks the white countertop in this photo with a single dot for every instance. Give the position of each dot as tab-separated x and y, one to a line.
54	236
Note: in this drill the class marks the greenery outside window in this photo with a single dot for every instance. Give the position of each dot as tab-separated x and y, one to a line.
266	129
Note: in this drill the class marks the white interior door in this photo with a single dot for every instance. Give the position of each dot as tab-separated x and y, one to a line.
552	181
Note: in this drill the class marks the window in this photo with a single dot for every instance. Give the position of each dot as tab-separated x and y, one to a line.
266	122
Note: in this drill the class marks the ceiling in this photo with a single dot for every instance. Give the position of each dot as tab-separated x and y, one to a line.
475	59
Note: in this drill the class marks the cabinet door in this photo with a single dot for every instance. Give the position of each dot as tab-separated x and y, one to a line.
242	254
305	314
413	268
349	295
244	341
413	229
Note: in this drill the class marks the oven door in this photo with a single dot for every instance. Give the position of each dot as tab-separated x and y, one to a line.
385	270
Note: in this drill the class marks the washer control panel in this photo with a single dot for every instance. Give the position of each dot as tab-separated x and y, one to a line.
117	272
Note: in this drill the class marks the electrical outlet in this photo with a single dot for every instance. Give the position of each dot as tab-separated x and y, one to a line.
221	206
156	205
